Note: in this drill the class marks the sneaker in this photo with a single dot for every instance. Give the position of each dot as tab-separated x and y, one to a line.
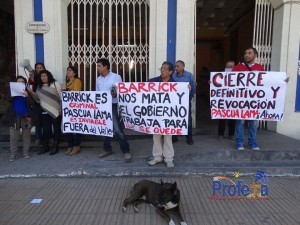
170	164
12	158
241	148
127	156
255	148
153	162
104	154
26	156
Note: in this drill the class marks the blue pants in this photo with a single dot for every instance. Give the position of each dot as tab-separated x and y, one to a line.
239	133
124	146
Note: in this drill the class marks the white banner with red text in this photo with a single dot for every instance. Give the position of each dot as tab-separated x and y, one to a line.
87	112
247	95
154	107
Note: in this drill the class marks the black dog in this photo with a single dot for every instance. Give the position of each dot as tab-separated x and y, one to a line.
164	196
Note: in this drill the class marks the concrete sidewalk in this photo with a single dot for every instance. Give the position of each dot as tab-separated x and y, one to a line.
279	155
98	201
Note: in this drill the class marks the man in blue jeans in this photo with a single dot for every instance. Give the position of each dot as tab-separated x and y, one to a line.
248	65
107	81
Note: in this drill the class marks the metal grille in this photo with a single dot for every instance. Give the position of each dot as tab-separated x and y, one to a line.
115	29
262	37
262	34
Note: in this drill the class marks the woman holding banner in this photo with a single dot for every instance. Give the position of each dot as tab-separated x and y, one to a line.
48	94
73	83
162	144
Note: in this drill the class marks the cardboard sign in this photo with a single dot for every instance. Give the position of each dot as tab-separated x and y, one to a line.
155	107
247	95
87	112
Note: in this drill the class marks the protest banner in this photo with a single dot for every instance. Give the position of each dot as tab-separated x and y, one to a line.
87	112
154	107
247	95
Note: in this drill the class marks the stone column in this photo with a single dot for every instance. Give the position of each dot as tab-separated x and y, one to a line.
185	40
56	40
285	50
25	42
157	35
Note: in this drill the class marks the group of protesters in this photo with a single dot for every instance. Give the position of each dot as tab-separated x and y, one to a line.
43	90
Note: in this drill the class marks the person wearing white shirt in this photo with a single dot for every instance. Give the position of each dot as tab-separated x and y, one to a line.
107	81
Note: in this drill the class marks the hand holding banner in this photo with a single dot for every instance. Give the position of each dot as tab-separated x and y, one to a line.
154	107
247	95
87	112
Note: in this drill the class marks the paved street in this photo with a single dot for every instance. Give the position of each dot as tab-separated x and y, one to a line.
84	189
78	201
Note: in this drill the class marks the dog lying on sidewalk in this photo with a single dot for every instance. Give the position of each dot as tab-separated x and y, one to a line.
164	196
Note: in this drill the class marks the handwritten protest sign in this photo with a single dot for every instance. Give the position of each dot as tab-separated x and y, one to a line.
155	107
247	95
87	112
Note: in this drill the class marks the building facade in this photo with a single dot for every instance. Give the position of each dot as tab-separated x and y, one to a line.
138	35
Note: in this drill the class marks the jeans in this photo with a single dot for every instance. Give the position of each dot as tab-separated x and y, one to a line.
124	146
239	133
74	139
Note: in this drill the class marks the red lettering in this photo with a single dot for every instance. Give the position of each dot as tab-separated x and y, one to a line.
167	131
141	87
214	80
173	87
260	78
163	87
122	88
144	129
148	87
250	77
133	87
151	86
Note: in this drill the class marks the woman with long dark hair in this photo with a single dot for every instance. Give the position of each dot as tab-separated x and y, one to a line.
48	94
33	81
73	83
